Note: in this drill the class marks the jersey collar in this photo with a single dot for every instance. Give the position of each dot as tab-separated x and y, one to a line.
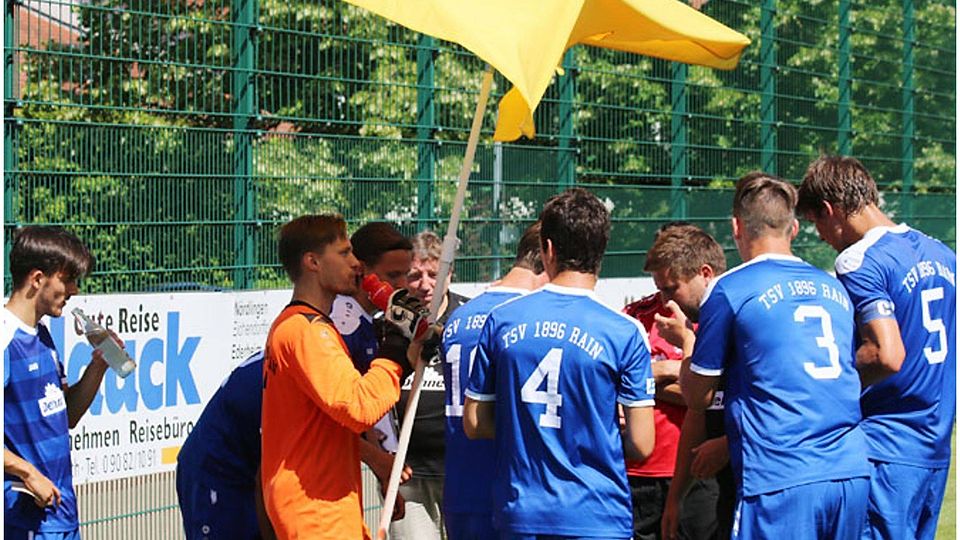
572	291
502	289
775	257
12	318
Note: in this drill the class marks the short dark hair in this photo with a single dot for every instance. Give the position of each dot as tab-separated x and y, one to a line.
578	226
682	250
528	250
765	204
51	250
307	233
839	180
374	239
426	246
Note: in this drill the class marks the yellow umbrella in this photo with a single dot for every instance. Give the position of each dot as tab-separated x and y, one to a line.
525	41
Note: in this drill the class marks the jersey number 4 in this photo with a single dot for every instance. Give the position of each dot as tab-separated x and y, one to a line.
549	369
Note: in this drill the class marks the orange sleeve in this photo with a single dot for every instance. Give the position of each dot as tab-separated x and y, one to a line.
326	375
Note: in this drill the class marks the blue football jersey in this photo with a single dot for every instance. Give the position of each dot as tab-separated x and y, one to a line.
556	362
469	465
356	328
35	425
782	333
224	446
902	273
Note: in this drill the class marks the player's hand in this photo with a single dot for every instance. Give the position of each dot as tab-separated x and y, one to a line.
430	343
670	519
399	507
709	458
44	492
406	312
394	345
675	329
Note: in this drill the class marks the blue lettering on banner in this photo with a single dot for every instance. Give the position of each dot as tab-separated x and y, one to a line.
139	387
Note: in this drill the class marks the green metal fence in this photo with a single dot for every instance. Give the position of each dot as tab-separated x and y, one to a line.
175	136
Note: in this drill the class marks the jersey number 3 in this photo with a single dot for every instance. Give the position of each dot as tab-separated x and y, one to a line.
825	341
549	369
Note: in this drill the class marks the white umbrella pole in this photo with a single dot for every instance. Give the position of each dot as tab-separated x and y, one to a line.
446	261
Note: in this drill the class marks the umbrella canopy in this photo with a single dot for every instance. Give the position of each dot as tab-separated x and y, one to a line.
525	39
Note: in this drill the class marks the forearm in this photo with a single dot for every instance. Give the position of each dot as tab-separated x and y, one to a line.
378	460
360	401
80	395
17	466
670	393
692	433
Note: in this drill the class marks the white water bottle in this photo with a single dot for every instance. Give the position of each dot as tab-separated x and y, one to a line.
116	357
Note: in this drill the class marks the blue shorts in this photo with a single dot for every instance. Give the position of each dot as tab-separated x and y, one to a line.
469	526
904	501
13	533
834	509
214	513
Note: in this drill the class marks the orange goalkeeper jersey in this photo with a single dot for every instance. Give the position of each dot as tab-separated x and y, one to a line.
315	404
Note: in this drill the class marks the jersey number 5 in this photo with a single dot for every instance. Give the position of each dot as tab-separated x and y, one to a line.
934	325
549	369
825	341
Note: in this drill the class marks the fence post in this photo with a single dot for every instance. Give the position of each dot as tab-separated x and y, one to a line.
768	84
844	120
566	169
679	157
426	121
906	105
244	19
10	183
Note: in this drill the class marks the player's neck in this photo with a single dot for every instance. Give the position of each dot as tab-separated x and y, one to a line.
310	292
868	218
24	308
765	245
578	280
520	278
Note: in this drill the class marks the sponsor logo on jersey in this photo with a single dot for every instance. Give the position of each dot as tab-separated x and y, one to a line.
717	403
53	400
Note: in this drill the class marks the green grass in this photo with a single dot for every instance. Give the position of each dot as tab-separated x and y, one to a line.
947	528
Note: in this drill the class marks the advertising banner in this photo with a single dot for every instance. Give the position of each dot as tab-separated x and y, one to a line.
185	344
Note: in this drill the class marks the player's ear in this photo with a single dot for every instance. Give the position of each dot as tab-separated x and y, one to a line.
794	229
310	262
827	209
35	279
735	225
